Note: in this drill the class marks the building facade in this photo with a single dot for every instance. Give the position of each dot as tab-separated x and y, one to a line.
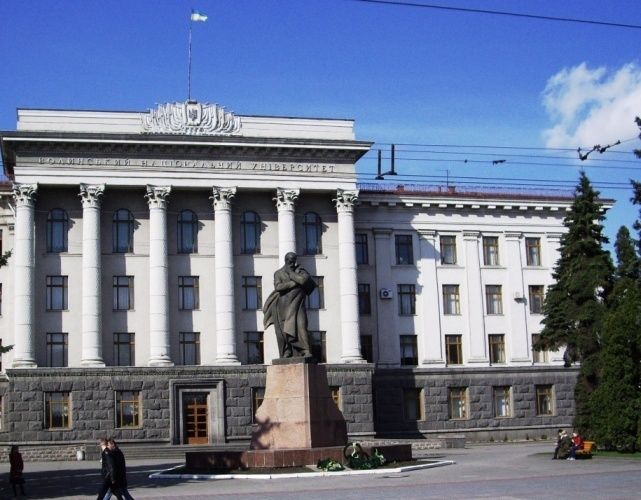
144	243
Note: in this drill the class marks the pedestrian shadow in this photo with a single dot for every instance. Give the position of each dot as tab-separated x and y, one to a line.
65	483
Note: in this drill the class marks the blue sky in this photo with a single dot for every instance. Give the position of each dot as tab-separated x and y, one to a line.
406	75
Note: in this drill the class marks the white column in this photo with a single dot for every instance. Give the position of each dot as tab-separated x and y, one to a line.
475	293
91	197
159	348
350	332
285	199
24	264
515	301
224	267
431	316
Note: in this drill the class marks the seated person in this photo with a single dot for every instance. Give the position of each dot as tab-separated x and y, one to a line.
559	439
577	444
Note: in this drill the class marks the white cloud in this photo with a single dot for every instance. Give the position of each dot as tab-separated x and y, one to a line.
592	106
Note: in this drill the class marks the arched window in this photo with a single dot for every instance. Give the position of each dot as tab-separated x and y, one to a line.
57	228
249	232
123	231
187	232
313	229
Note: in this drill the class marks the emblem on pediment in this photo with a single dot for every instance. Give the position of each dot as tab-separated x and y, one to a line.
190	118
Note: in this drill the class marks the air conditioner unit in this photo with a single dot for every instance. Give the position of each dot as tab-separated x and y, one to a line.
518	296
385	293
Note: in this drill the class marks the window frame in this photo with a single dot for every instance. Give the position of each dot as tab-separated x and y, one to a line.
118	287
494	300
458	403
315	301
252	288
496	346
451	300
364	299
538	357
536	297
549	394
448	242
318	345
257	397
53	288
187	232
361	245
136	409
533	251
313	234
453	349
54	339
406	299
404	249
64	406
408	343
415	396
57	226
255	340
502	394
250	233
129	340
183	287
122	223
184	342
491	256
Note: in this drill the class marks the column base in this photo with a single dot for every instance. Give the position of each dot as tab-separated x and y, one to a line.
161	361
24	363
227	360
353	360
93	363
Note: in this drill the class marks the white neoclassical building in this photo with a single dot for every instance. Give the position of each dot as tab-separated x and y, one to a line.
144	243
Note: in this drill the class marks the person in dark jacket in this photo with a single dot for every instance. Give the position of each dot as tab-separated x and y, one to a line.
16	465
109	485
119	471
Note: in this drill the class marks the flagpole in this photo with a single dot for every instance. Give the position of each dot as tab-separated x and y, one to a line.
189	71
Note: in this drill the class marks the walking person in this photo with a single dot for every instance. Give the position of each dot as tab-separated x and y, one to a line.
107	469
120	471
16	466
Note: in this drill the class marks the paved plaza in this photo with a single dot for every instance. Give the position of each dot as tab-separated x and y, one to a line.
510	471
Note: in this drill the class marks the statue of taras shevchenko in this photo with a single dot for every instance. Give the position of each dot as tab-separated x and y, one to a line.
285	308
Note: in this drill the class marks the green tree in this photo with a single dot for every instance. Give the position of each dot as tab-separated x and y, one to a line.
575	305
616	402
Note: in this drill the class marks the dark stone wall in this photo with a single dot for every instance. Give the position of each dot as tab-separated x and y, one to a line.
389	385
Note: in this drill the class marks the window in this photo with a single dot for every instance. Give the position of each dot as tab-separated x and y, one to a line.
250	233
454	349
364	299
124	349
318	347
533	251
367	350
316	299
189	348
448	250
538	356
127	409
187	232
123	231
409	351
491	250
362	250
406	300
544	400
57	229
536	299
335	392
188	293
123	290
57	410
497	348
458	403
451	302
413	405
258	396
502	401
404	250
253	292
56	349
493	299
254	344
313	229
56	293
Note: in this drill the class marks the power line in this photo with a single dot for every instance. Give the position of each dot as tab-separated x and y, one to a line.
500	13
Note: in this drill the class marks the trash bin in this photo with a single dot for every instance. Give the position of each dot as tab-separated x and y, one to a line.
80	455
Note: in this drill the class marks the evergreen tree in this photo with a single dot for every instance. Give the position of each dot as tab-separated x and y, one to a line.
575	304
616	403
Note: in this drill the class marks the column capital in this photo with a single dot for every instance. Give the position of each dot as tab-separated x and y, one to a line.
345	200
91	195
222	197
157	196
25	194
285	198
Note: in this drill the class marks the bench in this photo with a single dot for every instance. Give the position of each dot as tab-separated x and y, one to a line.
586	452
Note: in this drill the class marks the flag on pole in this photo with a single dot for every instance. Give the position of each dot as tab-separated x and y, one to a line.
198	16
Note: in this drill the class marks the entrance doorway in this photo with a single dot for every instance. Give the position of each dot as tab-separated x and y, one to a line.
195	418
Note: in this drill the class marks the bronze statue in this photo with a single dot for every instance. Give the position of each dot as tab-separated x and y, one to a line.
285	308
